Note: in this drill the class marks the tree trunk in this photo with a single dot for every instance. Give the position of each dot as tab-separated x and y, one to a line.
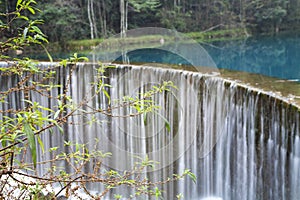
101	19
90	19
122	17
126	15
102	13
123	28
124	20
93	19
104	19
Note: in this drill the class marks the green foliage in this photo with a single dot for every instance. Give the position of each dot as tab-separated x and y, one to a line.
19	37
175	19
61	20
142	5
217	35
268	14
31	140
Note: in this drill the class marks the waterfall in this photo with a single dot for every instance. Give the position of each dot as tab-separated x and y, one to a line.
240	142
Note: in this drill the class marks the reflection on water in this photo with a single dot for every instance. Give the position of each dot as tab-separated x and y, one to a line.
151	55
271	56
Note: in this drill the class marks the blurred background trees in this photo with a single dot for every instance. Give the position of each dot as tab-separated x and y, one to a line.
90	19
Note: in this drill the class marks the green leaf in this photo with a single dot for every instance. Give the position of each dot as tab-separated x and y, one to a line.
137	107
4	142
41	143
107	95
64	63
47	52
145	119
19	3
117	196
67	143
168	127
37	30
41	38
167	124
157	192
31	140
31	10
53	149
56	114
191	175
23	17
27	101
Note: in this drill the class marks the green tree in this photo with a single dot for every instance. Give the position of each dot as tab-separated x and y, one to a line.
61	18
267	15
174	19
137	6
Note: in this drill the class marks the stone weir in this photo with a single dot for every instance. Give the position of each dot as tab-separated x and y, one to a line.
240	142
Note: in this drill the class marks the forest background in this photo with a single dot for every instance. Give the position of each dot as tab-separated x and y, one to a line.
71	20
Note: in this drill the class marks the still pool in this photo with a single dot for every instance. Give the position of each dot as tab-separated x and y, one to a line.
277	56
270	56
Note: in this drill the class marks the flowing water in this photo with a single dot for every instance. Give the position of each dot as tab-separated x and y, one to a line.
240	142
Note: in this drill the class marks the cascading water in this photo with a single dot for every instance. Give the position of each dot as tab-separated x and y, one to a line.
241	143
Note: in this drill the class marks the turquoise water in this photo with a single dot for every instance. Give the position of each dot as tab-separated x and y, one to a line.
150	55
146	55
271	56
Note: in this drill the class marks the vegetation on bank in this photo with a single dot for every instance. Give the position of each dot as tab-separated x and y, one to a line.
87	45
218	35
205	37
